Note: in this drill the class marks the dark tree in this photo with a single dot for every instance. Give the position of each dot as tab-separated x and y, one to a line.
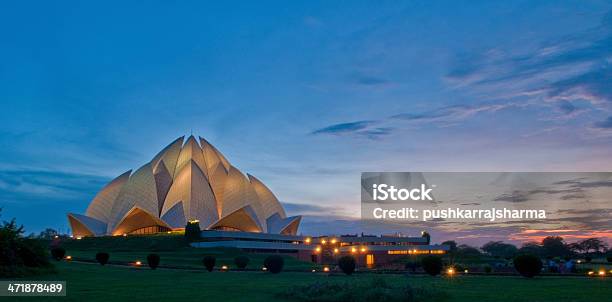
467	251
241	262
32	253
192	231
576	248
48	233
274	263
593	245
153	260
209	262
347	264
432	264
102	258
500	249
17	252
532	248
554	246
58	253
528	265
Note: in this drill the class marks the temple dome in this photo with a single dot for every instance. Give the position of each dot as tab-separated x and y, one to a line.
188	180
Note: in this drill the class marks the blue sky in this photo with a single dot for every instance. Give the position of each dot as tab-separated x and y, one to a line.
303	95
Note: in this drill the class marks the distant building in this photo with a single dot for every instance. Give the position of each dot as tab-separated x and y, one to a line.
369	251
184	182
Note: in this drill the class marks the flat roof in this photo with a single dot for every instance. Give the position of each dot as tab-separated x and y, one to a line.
249	235
315	239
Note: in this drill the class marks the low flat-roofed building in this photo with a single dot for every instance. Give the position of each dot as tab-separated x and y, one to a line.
370	251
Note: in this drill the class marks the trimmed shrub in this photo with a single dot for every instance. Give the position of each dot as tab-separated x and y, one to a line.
209	262
528	265
274	263
432	264
588	259
609	259
488	269
347	264
102	258
153	260
58	253
241	262
412	265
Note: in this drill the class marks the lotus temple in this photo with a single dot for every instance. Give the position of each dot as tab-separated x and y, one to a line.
186	181
190	181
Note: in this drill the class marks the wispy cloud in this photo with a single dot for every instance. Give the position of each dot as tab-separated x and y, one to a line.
327	212
37	186
344	128
453	113
365	129
562	74
444	116
606	124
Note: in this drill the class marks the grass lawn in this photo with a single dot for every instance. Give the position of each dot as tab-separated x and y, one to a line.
172	250
92	282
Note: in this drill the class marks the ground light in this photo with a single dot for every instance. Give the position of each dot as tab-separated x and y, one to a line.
138	263
68	258
264	268
314	270
591	273
307	240
466	271
224	267
323	241
450	271
602	273
333	241
353	250
335	251
326	269
318	249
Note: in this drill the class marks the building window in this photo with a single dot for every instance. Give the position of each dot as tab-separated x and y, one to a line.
370	260
150	230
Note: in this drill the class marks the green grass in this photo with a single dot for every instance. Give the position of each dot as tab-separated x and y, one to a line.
92	282
173	251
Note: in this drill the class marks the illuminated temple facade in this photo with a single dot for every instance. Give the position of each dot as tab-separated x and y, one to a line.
188	180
